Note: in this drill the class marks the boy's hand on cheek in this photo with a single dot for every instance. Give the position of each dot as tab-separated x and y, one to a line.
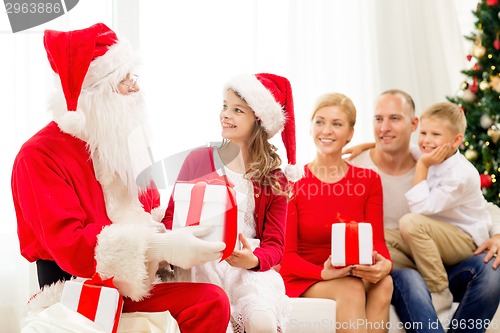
437	156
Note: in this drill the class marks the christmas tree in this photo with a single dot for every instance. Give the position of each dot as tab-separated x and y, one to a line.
479	97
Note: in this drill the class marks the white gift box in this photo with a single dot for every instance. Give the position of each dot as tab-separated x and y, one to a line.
352	244
102	305
213	209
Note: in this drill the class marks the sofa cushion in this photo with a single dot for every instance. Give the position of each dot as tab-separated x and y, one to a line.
317	315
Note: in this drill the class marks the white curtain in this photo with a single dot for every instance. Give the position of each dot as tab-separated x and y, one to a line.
24	86
190	48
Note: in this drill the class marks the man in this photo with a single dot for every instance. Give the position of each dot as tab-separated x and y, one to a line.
78	205
475	282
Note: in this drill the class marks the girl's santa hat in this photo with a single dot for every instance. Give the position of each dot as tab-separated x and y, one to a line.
90	59
270	97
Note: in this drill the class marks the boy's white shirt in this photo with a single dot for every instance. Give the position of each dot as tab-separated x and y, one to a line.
451	193
493	209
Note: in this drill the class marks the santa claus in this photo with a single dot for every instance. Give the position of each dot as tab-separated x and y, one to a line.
79	207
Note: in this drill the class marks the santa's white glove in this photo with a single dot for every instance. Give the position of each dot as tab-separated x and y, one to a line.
183	248
158	227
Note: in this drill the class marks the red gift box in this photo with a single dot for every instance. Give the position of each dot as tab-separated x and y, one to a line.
96	299
352	244
210	202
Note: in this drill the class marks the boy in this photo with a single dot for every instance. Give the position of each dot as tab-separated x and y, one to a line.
448	218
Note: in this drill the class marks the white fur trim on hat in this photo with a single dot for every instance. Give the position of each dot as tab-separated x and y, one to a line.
112	67
71	122
294	172
260	100
105	71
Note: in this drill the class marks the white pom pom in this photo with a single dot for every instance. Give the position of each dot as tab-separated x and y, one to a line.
294	172
72	122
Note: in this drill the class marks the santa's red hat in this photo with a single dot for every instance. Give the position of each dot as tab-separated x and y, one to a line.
270	97
90	58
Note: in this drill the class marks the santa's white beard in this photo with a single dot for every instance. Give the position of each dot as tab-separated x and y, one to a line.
115	129
112	120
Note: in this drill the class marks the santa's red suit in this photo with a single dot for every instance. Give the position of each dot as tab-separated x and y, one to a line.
78	205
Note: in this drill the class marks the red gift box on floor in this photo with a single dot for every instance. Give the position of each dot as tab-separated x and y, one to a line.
96	299
211	202
352	244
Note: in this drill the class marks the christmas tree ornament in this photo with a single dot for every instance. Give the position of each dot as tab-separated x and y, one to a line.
464	85
485	180
487	168
474	88
479	51
468	96
485	121
495	83
494	133
496	43
492	2
484	85
471	154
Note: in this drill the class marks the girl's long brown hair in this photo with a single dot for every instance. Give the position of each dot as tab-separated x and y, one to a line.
264	162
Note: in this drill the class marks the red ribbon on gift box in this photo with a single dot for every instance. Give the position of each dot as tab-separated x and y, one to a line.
352	234
89	298
351	246
230	217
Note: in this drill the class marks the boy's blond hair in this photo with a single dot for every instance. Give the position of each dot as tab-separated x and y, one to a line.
450	112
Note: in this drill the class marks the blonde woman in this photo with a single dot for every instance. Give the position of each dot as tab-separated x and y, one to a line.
332	187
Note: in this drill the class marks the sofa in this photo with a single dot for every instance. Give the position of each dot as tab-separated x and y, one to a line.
317	315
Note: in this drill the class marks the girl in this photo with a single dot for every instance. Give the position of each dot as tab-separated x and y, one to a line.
330	188
255	108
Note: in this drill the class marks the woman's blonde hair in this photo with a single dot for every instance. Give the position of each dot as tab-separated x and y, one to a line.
336	99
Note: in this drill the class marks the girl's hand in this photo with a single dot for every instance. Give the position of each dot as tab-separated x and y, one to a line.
375	272
329	272
243	258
